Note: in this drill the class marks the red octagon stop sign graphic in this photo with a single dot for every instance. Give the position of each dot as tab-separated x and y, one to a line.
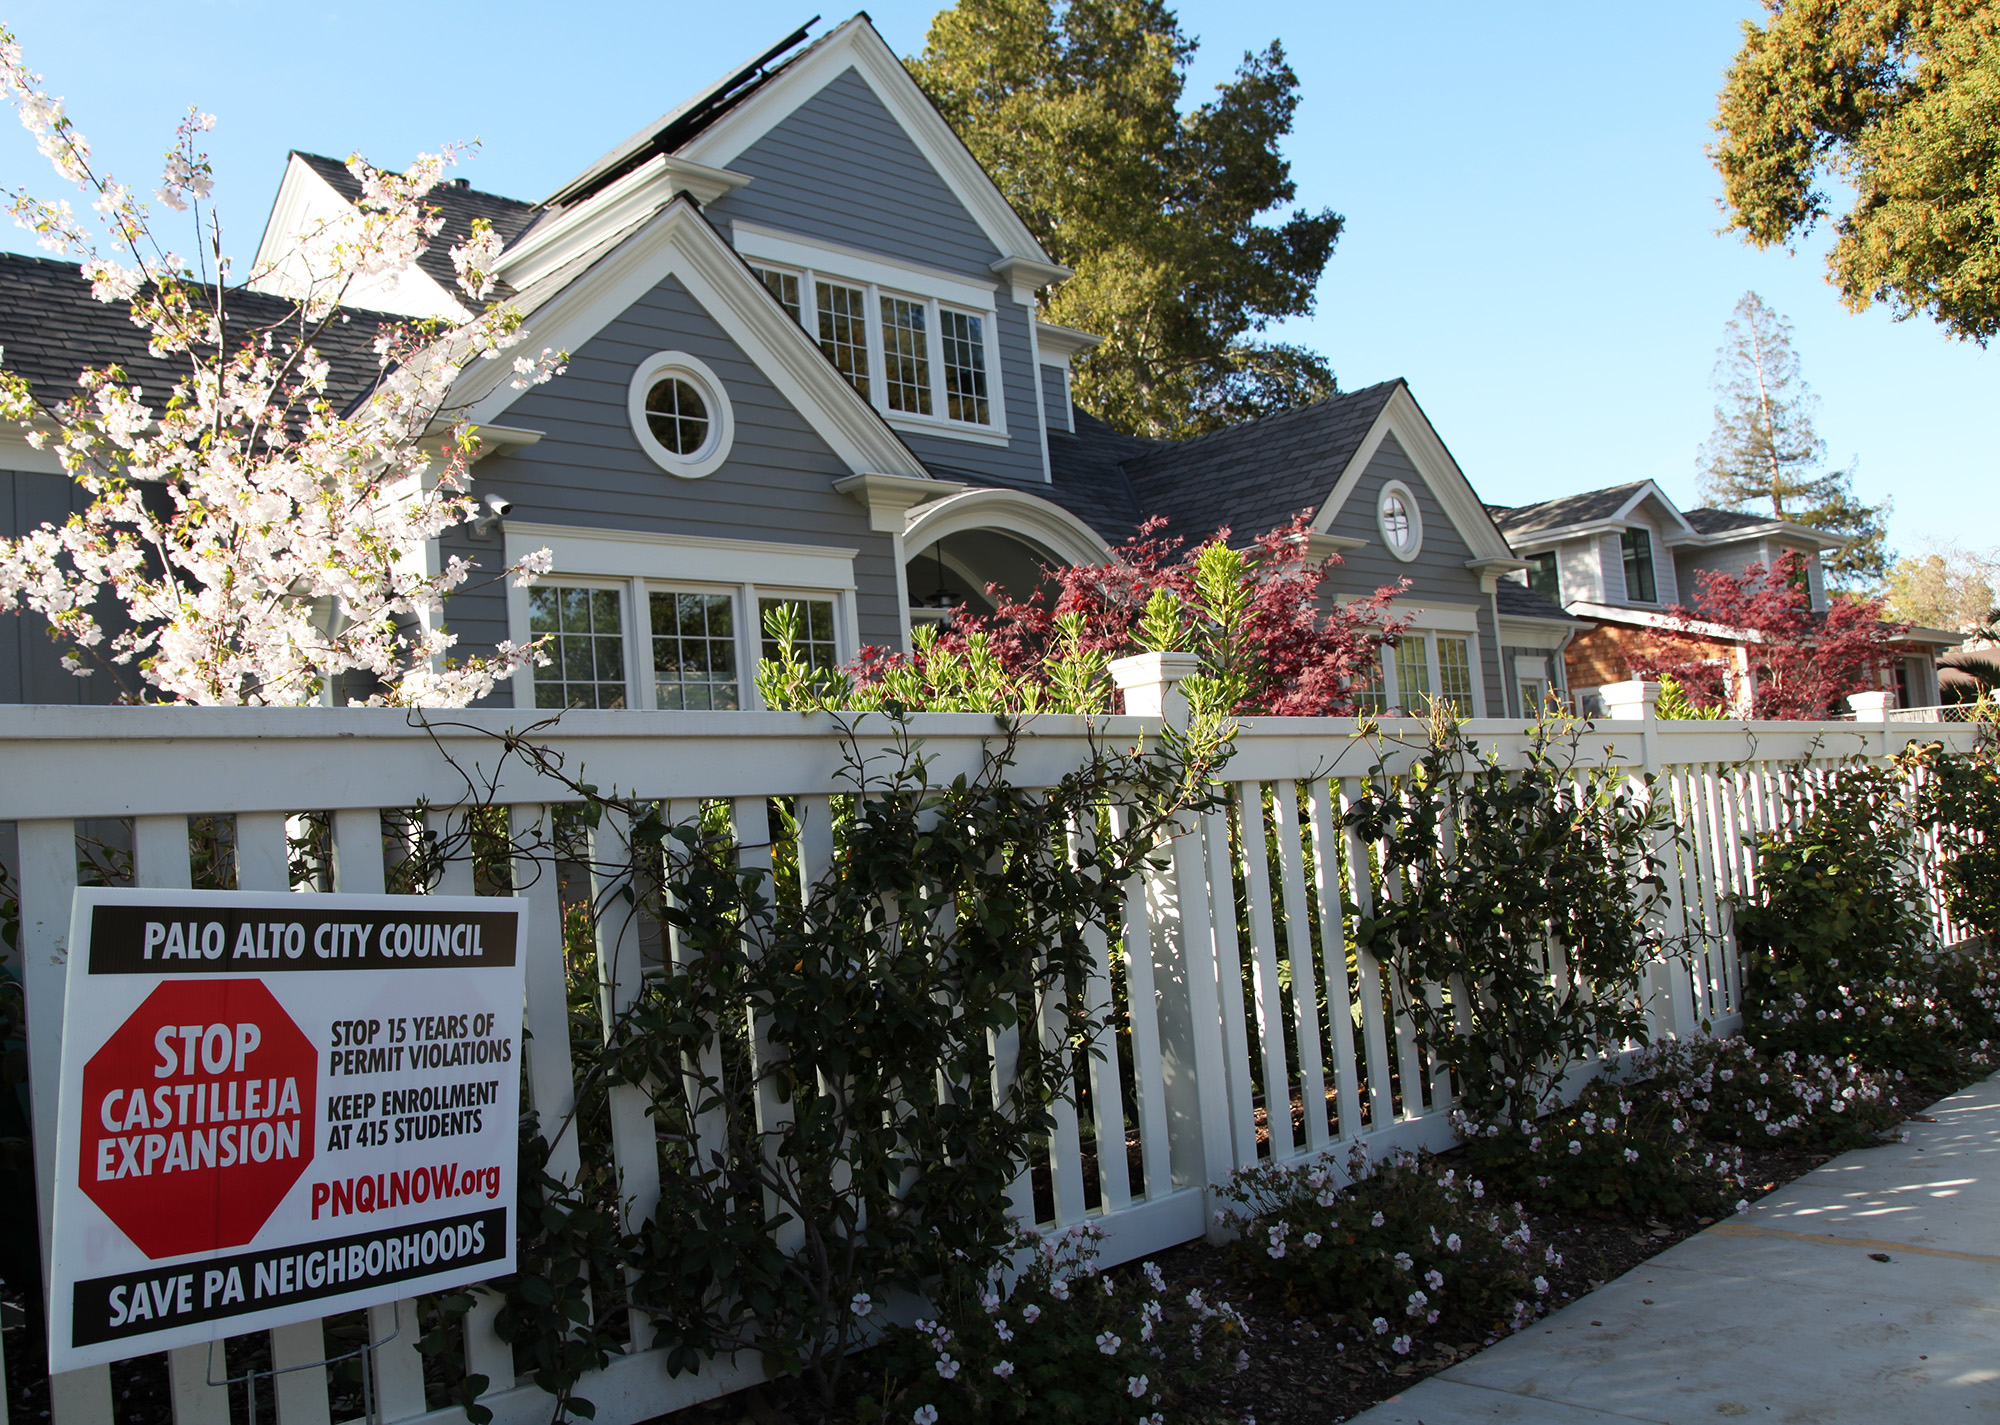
198	1116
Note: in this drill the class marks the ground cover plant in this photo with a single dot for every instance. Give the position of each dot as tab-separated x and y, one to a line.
1064	1341
1388	1246
1737	1093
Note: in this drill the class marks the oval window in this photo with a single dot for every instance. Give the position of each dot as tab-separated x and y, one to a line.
677	415
1396	521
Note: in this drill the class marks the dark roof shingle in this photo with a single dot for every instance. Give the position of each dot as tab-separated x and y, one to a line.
51	328
1565	511
457	205
1712	521
1517	600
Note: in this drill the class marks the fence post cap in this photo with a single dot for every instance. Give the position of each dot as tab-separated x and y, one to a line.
1634	698
1875	703
1151	683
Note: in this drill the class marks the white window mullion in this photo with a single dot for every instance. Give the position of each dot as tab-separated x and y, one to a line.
639	689
878	364
934	342
749	644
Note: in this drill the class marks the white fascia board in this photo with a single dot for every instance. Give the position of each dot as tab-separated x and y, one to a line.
1532	633
17	454
1062	345
762	244
679	242
304	198
628	554
1450	618
855	45
562	236
1405	419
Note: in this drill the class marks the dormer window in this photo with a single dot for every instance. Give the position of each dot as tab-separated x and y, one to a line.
1639	585
1543	578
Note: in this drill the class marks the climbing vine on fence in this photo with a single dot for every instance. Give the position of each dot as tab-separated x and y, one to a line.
1531	892
844	1078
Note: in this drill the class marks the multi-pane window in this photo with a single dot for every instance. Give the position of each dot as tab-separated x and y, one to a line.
1455	672
677	415
1370	695
843	330
1413	672
785	287
815	646
964	353
1534	697
694	650
1638	547
906	356
585	647
1542	576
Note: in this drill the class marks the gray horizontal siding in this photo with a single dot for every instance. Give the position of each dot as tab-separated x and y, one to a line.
1055	397
588	469
840	168
1611	559
1437	573
31	668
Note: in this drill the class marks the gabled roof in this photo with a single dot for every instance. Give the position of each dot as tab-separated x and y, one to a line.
1570	511
1255	476
457	202
51	328
1713	521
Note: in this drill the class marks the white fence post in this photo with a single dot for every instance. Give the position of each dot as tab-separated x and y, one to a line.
1193	1063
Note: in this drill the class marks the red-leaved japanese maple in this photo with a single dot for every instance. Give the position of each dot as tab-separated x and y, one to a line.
1293	655
1802	662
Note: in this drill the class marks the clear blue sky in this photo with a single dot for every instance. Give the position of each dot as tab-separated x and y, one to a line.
1531	232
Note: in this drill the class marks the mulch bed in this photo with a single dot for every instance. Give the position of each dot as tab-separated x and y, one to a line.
1303	1369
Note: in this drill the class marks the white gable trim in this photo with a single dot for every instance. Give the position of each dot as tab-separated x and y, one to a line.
856	46
1650	491
1403	418
679	242
305	199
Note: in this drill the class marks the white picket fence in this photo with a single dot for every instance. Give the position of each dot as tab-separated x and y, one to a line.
1176	1091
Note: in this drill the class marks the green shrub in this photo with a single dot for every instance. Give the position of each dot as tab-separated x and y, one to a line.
1407	1242
1835	955
1066	1342
1740	1094
1629	1149
1528	900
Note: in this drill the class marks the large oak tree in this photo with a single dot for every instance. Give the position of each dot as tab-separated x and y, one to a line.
1074	107
1896	102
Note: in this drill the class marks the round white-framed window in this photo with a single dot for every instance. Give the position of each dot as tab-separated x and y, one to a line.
681	414
1399	520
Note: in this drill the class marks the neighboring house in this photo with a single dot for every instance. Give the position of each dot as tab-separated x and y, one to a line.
1622	557
806	367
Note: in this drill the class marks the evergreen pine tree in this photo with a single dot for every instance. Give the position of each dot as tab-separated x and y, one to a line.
1765	453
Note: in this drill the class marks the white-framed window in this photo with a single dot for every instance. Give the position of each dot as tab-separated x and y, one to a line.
1399	520
1534	697
651	621
1427	665
584	625
681	414
926	359
842	314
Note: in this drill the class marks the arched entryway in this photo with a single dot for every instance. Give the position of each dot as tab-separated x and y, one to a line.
954	548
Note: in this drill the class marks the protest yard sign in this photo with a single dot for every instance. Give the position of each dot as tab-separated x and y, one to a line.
273	1107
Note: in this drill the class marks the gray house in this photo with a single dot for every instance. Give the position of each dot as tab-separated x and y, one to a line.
806	367
1619	559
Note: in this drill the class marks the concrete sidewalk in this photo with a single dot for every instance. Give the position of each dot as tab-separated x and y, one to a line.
1865	1293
